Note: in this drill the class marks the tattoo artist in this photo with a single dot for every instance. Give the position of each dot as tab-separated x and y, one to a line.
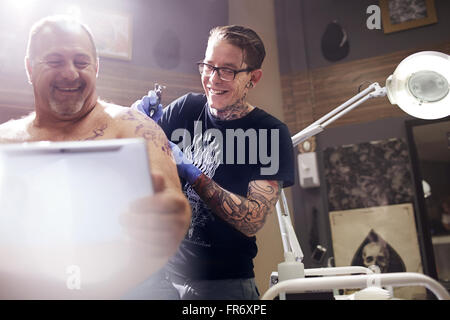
230	198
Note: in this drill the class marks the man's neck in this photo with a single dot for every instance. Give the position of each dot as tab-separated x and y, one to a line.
232	112
48	120
50	127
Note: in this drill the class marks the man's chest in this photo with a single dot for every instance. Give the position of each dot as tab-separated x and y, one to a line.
95	131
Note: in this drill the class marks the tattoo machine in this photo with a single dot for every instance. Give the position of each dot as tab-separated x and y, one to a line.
155	99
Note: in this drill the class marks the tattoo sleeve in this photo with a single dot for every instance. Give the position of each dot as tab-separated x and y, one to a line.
246	214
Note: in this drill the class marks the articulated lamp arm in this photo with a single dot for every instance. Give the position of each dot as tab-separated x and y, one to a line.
289	239
372	91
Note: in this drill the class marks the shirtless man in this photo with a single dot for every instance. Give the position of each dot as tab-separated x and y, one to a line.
62	66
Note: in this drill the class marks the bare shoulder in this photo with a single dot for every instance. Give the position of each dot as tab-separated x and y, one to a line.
131	123
123	116
15	130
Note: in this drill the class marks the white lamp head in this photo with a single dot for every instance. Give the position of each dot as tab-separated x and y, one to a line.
420	85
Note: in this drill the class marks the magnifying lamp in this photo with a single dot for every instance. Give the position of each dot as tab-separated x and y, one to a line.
419	86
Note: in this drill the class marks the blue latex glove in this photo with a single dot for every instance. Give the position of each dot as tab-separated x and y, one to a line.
186	168
150	104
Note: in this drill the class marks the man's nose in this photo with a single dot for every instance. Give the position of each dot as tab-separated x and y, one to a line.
69	71
214	76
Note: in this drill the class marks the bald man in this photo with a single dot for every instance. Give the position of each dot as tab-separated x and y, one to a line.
62	66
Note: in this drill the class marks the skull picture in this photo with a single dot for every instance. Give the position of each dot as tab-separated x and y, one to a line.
375	251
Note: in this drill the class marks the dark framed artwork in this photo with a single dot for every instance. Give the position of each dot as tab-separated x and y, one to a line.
398	15
429	145
368	174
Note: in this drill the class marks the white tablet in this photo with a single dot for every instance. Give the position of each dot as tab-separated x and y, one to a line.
69	192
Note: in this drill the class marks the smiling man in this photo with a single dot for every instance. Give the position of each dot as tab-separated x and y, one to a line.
63	74
225	141
226	91
62	66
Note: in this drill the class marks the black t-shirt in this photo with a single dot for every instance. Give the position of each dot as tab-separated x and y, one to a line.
232	153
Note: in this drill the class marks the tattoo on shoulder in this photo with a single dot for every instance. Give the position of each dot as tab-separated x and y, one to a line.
149	130
98	132
130	116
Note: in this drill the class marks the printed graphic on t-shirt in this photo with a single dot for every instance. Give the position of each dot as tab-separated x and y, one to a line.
206	155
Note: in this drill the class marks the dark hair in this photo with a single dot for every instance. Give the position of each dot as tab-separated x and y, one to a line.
244	38
57	23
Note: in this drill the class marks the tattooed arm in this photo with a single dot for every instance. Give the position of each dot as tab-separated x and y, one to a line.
169	212
160	155
247	215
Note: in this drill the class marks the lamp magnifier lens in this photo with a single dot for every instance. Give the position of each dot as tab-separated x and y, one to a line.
428	86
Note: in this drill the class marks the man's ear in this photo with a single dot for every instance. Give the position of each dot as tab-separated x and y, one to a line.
28	69
256	76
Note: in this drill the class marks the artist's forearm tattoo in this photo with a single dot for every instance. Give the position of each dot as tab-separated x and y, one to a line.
247	215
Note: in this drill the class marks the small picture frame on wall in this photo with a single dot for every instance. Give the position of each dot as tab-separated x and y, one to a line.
112	34
398	15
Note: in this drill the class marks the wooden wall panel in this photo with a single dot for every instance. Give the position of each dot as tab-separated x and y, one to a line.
16	96
124	84
298	100
118	82
306	96
331	86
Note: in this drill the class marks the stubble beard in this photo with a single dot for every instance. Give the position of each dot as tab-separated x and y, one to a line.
67	108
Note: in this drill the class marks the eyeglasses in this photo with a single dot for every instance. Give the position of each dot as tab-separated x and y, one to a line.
225	74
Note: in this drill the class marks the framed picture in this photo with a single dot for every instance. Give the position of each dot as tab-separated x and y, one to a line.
368	174
385	236
112	34
400	15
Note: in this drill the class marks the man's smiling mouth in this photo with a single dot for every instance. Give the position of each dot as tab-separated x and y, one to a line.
67	89
217	92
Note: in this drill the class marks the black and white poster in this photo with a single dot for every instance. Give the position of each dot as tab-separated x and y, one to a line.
385	236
